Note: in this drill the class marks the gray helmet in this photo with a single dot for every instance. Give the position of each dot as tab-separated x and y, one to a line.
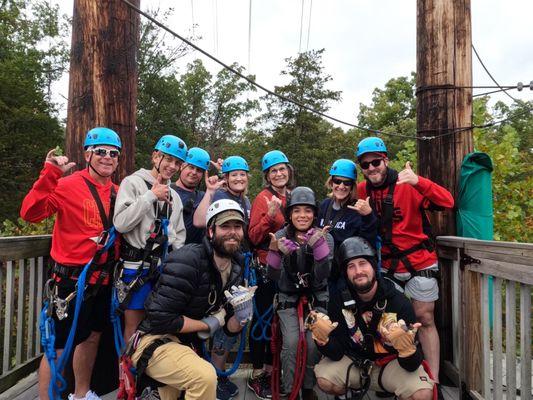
302	195
355	247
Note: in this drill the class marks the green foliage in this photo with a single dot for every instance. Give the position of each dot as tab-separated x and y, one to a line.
32	56
512	179
199	108
310	143
23	228
393	109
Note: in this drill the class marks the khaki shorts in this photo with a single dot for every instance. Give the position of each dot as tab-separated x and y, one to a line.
392	378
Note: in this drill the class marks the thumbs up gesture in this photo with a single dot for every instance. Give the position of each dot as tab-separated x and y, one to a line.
59	161
407	175
362	206
160	189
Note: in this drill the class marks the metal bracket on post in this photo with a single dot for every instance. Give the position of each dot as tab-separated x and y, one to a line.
466	260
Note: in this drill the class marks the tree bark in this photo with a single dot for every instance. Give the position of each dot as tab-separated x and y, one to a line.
103	77
444	67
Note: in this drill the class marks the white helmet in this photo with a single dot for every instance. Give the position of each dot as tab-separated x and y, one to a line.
221	206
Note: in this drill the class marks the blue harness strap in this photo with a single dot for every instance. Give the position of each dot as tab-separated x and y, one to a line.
47	327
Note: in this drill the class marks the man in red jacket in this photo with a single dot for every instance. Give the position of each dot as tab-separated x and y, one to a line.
408	254
83	205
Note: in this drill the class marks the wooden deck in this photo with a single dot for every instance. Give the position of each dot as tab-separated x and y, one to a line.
26	389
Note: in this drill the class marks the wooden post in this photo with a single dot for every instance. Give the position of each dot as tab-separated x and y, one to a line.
444	66
103	76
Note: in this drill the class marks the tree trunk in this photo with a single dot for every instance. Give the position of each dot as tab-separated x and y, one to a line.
103	76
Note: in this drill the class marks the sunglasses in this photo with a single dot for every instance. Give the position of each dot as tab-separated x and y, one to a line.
338	181
100	152
375	163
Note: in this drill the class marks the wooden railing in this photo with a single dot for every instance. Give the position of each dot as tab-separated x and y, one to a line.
481	352
23	263
489	358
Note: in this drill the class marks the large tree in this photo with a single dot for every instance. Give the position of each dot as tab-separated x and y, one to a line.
32	56
310	142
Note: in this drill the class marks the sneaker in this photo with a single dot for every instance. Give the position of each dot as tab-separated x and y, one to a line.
90	395
226	389
260	385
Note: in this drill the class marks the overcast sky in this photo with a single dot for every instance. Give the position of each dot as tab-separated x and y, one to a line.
367	42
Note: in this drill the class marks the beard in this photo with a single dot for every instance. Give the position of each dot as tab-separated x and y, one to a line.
363	287
224	249
377	179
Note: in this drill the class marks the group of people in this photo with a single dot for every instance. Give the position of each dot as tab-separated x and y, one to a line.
359	268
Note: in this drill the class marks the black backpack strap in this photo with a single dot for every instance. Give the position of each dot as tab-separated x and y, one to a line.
369	331
107	220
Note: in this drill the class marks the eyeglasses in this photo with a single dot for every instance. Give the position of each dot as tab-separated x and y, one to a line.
101	152
338	181
274	171
375	163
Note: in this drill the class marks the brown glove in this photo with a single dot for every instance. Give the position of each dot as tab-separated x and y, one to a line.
401	337
321	326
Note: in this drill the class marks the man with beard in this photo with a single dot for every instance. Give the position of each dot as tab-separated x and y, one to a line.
408	253
188	305
371	343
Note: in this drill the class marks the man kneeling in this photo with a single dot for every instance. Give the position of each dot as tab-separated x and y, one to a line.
188	305
373	346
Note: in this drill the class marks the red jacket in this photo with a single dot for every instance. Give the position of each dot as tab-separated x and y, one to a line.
407	229
261	224
78	222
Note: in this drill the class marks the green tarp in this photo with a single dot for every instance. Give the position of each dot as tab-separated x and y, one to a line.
475	217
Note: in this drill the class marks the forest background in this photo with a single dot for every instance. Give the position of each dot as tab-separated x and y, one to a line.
226	116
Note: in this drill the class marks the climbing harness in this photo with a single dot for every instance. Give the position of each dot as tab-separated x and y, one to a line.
47	325
301	353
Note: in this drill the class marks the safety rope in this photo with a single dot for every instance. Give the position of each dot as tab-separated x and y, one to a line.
47	327
301	354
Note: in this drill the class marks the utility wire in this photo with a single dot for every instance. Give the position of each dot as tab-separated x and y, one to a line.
301	27
309	24
490	75
312	110
249	35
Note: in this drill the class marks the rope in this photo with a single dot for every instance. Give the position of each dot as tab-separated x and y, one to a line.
57	382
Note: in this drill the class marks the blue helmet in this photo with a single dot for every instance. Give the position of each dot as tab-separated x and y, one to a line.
104	136
199	158
173	146
234	163
272	158
370	145
345	168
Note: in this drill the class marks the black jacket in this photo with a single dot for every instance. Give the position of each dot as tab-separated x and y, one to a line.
349	341
188	284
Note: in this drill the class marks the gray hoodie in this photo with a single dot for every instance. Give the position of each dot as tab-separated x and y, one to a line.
134	211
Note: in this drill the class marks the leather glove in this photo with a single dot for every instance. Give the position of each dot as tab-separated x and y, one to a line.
320	326
401	337
214	322
241	299
286	246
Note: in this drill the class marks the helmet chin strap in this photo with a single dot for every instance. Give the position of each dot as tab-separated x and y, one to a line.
89	165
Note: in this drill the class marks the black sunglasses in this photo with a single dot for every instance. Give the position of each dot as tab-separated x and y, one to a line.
338	181
375	163
103	152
